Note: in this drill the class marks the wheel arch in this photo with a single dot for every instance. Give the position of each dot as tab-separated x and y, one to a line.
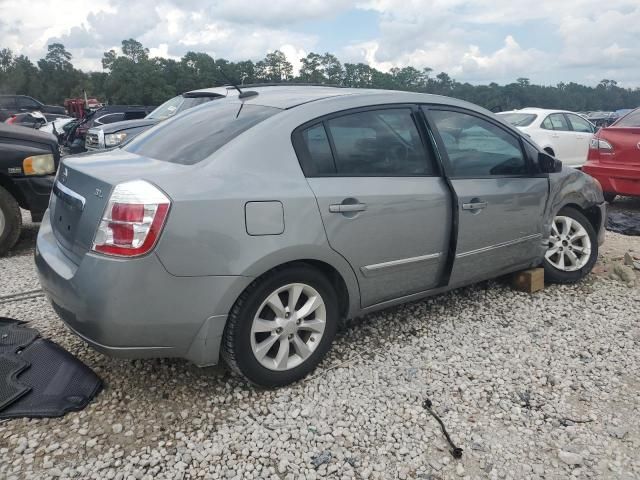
593	213
10	186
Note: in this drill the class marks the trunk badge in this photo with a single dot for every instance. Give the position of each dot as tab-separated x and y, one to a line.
99	193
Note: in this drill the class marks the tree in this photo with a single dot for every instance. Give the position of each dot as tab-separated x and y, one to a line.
275	67
134	51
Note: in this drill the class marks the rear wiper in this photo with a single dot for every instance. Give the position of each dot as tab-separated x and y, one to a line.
241	94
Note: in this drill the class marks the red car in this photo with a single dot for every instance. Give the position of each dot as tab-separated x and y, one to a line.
614	157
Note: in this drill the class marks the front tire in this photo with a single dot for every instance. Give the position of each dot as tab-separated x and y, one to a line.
10	221
281	326
573	247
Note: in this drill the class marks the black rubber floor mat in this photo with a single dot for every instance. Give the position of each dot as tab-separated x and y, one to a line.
15	335
625	223
59	383
10	388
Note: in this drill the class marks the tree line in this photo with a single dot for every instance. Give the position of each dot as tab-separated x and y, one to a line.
131	76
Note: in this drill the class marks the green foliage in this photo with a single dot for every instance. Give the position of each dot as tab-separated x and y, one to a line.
130	76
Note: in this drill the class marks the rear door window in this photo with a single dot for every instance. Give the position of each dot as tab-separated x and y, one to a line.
26	102
559	122
370	143
193	136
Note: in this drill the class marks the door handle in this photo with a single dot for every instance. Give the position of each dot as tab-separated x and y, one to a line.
349	207
474	206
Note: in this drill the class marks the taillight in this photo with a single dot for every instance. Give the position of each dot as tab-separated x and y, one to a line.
600	145
11	120
133	220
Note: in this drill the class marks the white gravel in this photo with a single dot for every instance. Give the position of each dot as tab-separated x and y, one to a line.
530	386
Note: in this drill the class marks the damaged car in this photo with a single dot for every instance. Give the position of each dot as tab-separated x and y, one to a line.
247	228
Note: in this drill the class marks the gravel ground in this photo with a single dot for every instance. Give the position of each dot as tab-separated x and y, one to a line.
530	386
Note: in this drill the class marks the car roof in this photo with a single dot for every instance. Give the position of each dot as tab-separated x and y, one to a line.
288	96
537	110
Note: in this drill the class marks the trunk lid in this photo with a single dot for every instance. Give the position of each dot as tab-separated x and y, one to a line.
625	142
82	189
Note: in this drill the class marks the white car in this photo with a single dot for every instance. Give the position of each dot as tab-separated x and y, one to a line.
565	135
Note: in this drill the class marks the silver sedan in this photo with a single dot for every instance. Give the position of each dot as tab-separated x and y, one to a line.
247	228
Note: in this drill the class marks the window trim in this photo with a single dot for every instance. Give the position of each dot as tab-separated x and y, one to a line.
444	156
304	156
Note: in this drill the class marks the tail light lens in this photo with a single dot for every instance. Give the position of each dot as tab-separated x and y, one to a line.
132	222
600	145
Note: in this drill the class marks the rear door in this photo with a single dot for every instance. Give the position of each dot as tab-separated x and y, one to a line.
562	139
500	203
384	205
583	133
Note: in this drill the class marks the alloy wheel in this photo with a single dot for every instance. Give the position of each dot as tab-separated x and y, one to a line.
569	244
288	326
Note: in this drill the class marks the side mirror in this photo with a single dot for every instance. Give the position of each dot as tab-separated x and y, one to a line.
548	164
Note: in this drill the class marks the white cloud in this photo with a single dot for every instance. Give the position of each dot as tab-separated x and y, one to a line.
472	40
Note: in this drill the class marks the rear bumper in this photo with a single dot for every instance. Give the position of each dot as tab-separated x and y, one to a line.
36	192
615	178
135	308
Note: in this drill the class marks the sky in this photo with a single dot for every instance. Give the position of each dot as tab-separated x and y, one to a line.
478	41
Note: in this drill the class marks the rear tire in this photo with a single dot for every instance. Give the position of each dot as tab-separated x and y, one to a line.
609	197
10	221
573	249
272	347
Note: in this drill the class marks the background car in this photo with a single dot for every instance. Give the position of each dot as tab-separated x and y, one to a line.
114	133
249	226
565	135
28	161
12	104
103	116
614	157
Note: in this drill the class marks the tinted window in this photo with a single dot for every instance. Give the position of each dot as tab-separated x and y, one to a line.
477	147
134	115
519	119
559	122
7	102
632	120
382	142
26	102
579	124
193	136
110	118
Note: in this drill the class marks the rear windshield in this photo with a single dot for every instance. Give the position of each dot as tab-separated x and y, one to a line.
519	119
194	135
632	120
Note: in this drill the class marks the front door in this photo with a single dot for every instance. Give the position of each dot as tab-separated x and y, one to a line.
563	139
500	204
385	208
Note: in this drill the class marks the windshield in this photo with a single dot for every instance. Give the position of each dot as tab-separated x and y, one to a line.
519	119
631	120
167	109
178	104
196	134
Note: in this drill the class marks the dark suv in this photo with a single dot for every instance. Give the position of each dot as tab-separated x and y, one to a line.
28	162
12	104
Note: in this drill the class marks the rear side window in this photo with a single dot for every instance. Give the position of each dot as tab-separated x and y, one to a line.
477	147
371	143
193	136
26	102
632	120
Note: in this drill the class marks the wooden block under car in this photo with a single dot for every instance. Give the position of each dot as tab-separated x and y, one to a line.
529	281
